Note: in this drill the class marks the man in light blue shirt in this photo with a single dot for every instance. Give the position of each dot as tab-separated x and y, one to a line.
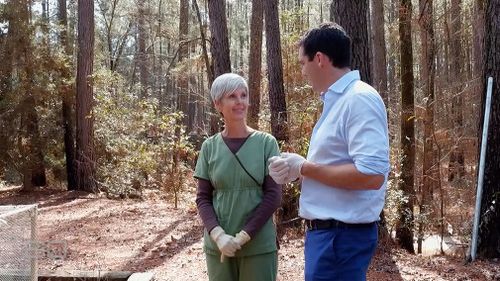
345	174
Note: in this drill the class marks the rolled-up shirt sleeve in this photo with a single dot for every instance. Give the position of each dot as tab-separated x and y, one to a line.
367	134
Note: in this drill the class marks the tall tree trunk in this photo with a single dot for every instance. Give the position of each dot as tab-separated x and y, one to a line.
352	15
220	41
38	177
379	50
67	99
404	229
85	157
489	232
478	37
255	62
183	78
182	83
142	53
159	68
45	24
219	47
279	126
208	66
427	75
117	45
456	165
379	76
392	72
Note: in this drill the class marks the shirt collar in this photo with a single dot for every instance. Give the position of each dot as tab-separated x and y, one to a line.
340	85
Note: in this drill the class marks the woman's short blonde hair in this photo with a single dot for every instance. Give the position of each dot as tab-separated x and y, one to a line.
226	84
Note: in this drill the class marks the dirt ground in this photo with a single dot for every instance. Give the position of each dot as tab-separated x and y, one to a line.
150	235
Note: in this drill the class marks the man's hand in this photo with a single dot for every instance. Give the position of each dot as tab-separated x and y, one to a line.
242	238
225	242
295	162
278	169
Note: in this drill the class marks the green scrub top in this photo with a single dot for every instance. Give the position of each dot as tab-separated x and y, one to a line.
236	194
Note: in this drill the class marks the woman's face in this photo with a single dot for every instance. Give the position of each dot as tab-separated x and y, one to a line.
233	106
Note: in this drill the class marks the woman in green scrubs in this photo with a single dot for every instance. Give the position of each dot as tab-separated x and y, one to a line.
236	197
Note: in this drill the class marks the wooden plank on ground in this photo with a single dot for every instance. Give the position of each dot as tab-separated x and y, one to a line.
68	275
73	275
142	276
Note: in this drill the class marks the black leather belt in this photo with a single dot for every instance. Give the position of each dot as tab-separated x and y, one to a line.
325	224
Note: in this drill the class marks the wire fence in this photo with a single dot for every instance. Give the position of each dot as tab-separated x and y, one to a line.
18	243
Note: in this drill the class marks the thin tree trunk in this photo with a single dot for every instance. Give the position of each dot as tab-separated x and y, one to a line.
115	49
456	165
255	63
427	75
38	177
183	78
159	68
446	76
67	95
478	37
45	24
379	50
392	79
142	60
109	25
279	126
219	47
208	66
404	230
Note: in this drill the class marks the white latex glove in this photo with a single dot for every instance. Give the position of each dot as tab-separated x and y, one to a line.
242	238
278	169
295	162
225	242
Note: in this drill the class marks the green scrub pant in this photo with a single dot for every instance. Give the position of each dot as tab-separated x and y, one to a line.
262	267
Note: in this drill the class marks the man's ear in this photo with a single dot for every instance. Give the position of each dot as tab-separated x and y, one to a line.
317	56
322	59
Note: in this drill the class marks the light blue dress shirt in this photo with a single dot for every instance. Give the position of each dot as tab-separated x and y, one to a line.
352	129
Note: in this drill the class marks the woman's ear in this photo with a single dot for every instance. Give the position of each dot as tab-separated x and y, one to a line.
217	105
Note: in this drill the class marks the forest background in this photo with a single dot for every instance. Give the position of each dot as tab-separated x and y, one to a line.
111	97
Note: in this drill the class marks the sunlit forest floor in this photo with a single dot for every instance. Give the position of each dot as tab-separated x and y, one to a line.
151	235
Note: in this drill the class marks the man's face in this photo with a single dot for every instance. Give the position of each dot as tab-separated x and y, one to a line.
310	68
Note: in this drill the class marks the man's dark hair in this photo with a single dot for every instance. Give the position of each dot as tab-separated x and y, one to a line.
331	40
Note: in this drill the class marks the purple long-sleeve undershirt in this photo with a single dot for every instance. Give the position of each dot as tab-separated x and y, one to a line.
271	200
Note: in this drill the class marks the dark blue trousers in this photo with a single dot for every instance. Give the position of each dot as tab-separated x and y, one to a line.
339	253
